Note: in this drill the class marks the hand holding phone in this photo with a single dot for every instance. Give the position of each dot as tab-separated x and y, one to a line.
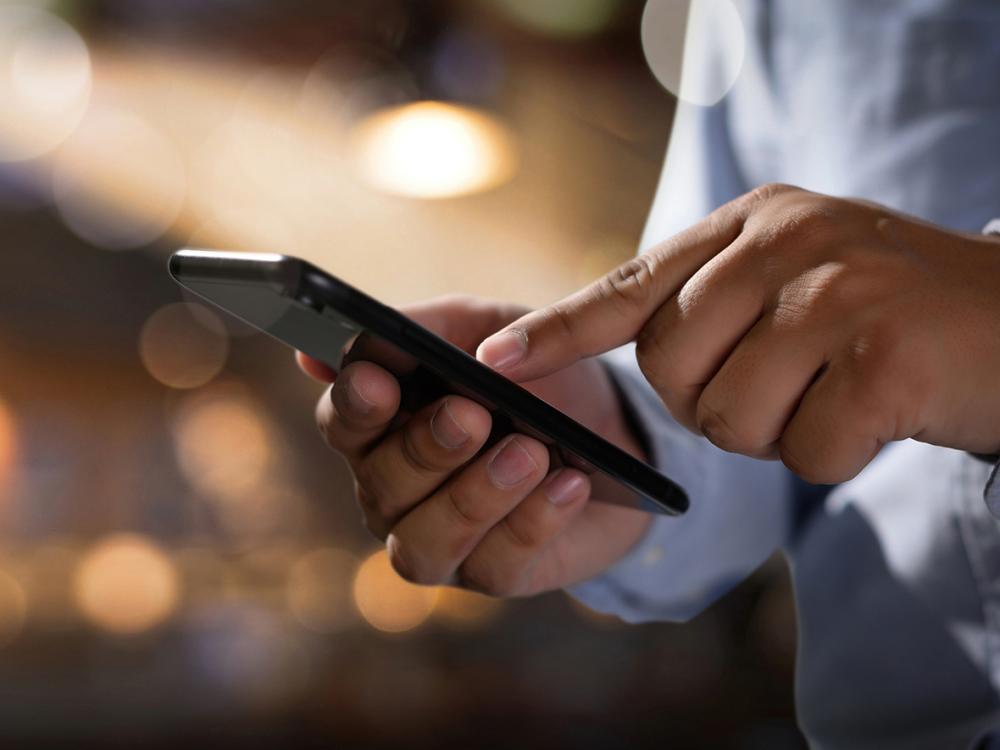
468	477
447	514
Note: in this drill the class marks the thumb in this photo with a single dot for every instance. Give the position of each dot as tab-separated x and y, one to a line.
612	310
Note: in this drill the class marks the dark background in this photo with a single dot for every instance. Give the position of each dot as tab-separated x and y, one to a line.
116	483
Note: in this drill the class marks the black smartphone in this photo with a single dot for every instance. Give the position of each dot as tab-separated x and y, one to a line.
318	314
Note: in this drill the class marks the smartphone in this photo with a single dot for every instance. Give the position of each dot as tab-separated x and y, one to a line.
331	321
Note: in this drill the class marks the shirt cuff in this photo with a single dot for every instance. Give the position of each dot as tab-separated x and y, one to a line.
738	515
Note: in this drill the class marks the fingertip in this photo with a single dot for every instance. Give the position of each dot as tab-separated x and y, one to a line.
566	486
315	369
472	417
536	451
366	391
504	349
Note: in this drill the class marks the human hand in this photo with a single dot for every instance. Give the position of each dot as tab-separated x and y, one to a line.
500	522
797	326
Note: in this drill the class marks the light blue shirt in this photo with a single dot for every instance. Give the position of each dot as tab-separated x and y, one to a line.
897	572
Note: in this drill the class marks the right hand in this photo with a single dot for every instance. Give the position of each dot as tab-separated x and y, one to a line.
499	523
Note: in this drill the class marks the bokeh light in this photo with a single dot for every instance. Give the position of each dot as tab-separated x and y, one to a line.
223	445
319	589
45	82
433	150
8	443
386	601
695	48
465	609
251	153
183	345
119	182
13	608
126	585
564	18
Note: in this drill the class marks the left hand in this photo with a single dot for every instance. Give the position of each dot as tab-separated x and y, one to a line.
796	325
495	520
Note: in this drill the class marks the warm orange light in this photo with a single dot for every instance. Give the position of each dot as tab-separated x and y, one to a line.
8	443
319	589
465	609
386	601
223	446
183	345
125	585
433	150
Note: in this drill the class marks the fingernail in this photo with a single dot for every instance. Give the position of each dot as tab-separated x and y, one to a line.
504	350
563	487
446	429
357	400
512	465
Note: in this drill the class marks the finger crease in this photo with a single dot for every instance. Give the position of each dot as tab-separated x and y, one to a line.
412	456
519	538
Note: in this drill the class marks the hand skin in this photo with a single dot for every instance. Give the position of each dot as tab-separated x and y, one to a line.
797	326
495	523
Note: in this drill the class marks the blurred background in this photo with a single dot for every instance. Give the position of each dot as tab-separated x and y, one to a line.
181	559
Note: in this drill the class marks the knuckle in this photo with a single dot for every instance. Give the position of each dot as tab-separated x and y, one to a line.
373	521
402	561
366	484
487	577
631	284
878	357
522	535
654	361
806	468
560	319
720	431
800	227
373	495
768	191
464	507
824	292
419	453
808	464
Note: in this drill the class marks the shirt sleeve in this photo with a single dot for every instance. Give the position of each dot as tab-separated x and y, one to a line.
740	508
739	514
